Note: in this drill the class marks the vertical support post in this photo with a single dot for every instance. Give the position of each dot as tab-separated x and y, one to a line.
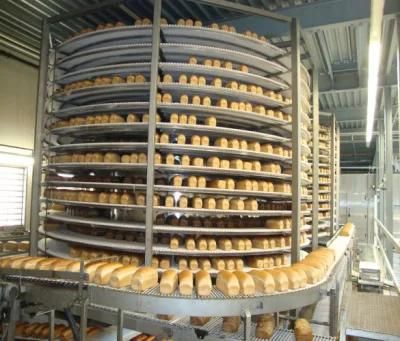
389	170
247	326
315	163
120	327
337	176
381	141
83	321
333	310
51	325
332	165
398	77
375	217
14	312
296	141
152	132
37	152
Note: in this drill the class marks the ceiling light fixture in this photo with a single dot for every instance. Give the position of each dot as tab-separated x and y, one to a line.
374	55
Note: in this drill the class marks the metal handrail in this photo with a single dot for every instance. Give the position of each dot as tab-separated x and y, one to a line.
395	244
389	235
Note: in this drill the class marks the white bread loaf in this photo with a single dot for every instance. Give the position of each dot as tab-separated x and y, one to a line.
246	282
185	282
203	283
228	283
168	282
122	277
263	280
281	280
103	272
144	278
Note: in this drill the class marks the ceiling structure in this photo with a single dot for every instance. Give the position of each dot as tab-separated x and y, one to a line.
334	41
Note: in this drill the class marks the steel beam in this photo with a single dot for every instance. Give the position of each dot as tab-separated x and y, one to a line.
389	169
338	170
332	175
315	166
296	140
37	152
152	132
398	76
330	14
247	10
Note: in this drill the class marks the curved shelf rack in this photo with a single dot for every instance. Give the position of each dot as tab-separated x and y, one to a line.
168	229
171	34
167	188
163	209
66	235
166	169
173	53
238	118
218	304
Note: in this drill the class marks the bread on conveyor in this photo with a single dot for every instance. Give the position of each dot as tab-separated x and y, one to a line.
199	320
144	278
186	282
265	326
91	268
203	283
122	276
263	280
230	324
169	281
228	283
303	330
281	280
246	282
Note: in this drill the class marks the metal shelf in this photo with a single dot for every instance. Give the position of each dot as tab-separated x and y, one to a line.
218	304
163	209
177	53
168	229
165	169
171	34
168	188
66	235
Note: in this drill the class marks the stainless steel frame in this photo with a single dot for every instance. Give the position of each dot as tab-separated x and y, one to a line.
315	160
332	227
256	305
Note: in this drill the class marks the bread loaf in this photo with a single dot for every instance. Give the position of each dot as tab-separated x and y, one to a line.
229	264
265	326
144	278
199	320
230	324
303	330
238	244
193	264
185	282
222	204
103	272
122	276
204	264
293	278
281	280
263	280
228	283
236	204
168	282
211	244
246	282
91	269
203	283
182	263
29	263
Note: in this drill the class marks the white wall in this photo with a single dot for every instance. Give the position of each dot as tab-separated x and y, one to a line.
18	84
18	87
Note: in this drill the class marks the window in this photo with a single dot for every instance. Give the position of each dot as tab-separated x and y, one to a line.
13	184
